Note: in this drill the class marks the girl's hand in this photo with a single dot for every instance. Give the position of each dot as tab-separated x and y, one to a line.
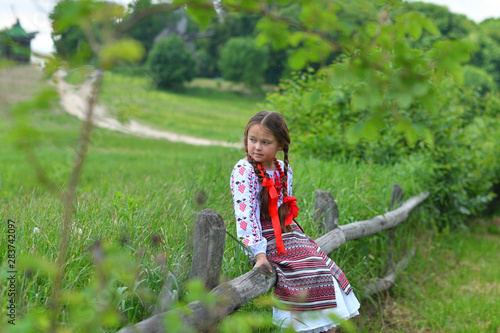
262	261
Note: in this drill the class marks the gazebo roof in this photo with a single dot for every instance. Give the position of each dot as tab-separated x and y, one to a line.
16	31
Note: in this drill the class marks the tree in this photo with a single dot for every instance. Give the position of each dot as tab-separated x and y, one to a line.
71	42
232	25
146	30
450	25
242	61
170	63
487	55
479	80
491	27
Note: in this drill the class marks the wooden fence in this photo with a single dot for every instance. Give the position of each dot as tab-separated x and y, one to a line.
209	240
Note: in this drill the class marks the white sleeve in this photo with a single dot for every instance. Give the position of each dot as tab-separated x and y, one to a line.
290	181
244	189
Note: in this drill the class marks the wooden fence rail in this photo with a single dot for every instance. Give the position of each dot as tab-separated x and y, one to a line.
233	294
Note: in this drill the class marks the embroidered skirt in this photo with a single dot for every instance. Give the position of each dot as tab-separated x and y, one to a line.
304	273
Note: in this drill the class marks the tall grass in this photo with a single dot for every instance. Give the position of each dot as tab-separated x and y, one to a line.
143	196
452	285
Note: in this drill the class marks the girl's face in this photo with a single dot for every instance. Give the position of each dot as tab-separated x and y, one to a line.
262	145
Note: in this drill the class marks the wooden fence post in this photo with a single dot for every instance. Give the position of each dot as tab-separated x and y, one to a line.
396	196
396	200
326	212
208	248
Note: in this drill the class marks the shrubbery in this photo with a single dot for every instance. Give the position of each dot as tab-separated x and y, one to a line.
458	139
242	61
478	79
170	63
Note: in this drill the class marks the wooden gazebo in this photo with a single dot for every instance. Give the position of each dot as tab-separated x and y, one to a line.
15	43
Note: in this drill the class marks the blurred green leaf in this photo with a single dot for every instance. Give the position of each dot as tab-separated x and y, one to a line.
430	26
354	133
33	264
408	130
311	98
128	50
201	16
371	29
275	33
415	31
298	60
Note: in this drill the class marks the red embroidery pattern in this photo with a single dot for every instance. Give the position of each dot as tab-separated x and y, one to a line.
243	225
245	188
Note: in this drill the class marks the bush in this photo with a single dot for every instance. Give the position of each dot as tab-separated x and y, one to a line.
170	63
478	79
463	153
242	61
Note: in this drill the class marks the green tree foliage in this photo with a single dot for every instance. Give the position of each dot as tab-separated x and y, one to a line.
242	61
146	30
220	31
357	108
456	26
457	138
487	56
479	80
83	34
151	26
170	63
491	27
69	42
450	25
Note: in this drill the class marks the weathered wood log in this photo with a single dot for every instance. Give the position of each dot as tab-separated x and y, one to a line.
232	295
237	292
356	230
379	285
208	248
326	212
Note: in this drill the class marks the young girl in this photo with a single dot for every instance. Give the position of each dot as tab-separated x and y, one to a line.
310	285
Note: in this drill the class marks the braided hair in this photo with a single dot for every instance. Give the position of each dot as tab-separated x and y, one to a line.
276	124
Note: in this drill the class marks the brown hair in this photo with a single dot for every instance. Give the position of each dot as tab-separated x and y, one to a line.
276	124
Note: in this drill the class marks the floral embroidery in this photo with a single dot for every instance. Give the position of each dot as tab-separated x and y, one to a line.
245	189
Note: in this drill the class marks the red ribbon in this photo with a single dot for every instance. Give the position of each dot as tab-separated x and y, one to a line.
291	202
273	212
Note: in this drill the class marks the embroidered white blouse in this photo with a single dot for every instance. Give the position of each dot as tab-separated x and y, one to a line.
245	188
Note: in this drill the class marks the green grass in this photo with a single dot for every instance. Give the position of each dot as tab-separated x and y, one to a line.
140	197
135	189
452	285
6	63
200	110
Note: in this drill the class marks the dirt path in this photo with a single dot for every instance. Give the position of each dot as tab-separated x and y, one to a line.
74	101
21	81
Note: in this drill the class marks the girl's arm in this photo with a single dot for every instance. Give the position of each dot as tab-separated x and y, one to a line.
244	187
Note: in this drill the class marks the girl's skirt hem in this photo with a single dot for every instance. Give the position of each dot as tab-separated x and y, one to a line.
319	320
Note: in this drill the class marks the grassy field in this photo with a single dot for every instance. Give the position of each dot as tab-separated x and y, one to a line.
141	196
452	285
200	110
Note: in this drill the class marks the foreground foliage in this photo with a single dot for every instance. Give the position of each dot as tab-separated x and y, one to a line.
92	257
